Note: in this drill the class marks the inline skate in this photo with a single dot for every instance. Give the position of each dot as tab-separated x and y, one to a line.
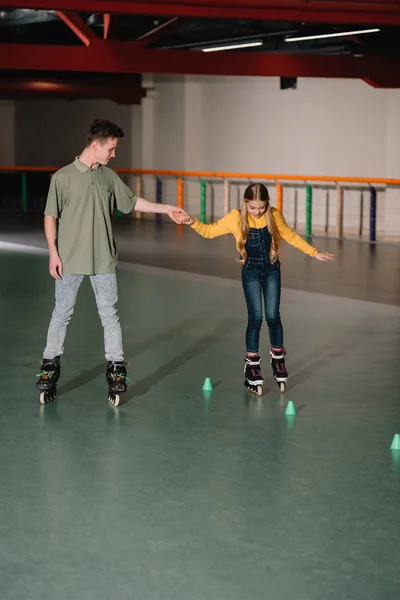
48	377
253	378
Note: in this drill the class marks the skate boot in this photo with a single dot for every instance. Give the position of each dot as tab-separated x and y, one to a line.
48	377
279	368
253	378
116	379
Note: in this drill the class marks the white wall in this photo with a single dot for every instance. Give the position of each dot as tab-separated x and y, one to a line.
245	125
249	125
325	127
52	132
7	121
169	122
392	200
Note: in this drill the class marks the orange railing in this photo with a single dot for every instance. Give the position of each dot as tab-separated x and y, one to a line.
228	175
281	181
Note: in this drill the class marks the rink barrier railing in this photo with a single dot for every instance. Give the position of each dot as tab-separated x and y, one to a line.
281	181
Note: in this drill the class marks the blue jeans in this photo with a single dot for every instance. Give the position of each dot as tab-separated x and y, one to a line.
261	278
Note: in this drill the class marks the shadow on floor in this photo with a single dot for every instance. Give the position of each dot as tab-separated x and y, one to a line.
173	365
134	350
303	369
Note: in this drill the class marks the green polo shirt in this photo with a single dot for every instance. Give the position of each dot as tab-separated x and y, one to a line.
83	199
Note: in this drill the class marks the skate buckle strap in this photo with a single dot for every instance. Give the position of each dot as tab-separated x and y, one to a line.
253	360
47	373
121	376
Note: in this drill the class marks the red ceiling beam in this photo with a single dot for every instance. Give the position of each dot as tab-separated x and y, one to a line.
159	32
361	12
129	57
106	25
78	26
385	80
123	93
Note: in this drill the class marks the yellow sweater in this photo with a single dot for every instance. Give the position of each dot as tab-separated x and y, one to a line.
231	224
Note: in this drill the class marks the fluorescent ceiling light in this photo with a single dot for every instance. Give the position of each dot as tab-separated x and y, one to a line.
331	35
234	46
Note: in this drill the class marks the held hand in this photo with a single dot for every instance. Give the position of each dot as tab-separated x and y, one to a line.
324	256
55	266
178	215
186	219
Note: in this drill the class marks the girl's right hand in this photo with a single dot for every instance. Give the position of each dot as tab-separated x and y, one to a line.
187	219
324	256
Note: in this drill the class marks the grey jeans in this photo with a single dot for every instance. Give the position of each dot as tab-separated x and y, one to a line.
106	293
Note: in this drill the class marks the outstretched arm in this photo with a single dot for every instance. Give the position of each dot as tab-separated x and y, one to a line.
324	256
147	206
221	227
127	201
294	239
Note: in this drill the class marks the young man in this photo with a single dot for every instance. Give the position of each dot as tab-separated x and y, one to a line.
78	227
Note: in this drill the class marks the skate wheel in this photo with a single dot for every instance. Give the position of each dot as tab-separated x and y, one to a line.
259	390
282	386
48	395
114	399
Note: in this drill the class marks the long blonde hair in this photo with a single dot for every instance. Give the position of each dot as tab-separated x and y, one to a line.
257	191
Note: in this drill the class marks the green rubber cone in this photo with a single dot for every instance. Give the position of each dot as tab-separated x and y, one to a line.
290	409
396	442
207	386
290	420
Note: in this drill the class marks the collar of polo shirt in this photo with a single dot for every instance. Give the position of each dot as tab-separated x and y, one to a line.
83	168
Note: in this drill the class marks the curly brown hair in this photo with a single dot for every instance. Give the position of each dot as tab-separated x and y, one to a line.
102	130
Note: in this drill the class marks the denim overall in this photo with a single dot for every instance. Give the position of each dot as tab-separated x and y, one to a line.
261	278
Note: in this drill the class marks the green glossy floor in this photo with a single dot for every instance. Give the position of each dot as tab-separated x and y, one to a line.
186	496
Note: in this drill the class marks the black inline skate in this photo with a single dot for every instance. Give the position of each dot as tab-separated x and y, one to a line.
116	379
253	378
277	358
48	377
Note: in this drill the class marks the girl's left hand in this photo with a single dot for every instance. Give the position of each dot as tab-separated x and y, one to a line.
324	256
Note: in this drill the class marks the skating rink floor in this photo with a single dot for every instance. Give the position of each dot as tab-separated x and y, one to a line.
184	495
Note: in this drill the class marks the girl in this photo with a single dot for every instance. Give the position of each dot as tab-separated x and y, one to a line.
257	228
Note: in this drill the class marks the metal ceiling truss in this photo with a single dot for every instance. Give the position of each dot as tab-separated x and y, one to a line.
107	55
319	11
